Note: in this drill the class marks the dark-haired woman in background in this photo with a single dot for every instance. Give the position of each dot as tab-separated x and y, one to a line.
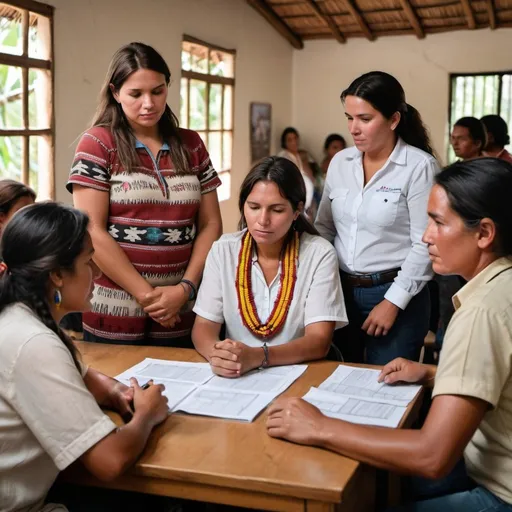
374	209
290	149
468	138
470	234
13	196
333	144
274	284
149	189
50	402
497	137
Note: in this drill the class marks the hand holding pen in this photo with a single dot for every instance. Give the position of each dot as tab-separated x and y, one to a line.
148	400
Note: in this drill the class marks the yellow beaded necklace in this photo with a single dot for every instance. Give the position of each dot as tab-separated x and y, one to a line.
288	278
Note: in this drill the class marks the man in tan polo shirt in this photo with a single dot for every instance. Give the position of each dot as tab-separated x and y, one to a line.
469	234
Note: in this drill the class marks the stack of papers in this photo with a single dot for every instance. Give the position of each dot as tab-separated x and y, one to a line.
355	395
193	387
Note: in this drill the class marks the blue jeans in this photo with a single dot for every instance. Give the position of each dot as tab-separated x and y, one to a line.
455	493
405	338
478	499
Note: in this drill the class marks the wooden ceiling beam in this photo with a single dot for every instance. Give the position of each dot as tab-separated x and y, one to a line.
327	19
354	11
470	17
492	14
264	9
413	18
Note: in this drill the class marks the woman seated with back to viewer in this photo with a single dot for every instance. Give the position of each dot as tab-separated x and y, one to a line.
50	412
274	284
470	234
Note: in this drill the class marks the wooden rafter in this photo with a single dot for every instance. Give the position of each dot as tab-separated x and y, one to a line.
492	14
470	17
327	19
413	19
354	11
263	8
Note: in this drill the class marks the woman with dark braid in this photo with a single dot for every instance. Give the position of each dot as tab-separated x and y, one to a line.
50	402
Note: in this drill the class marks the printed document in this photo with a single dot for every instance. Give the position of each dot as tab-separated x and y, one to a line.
355	410
362	383
193	388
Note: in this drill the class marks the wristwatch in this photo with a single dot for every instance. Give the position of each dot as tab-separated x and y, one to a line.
265	363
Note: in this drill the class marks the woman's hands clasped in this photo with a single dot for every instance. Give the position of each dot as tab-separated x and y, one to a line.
164	303
231	359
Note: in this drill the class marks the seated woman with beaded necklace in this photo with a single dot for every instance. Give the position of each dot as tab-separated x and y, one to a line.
274	284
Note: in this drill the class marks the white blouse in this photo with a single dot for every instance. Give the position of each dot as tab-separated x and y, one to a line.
317	296
379	226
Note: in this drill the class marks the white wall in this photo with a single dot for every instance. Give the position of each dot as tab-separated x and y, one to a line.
87	33
324	68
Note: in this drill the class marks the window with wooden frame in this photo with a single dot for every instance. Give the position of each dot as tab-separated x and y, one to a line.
207	93
26	95
478	95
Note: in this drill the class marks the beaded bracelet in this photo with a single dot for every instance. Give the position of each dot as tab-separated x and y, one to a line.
193	289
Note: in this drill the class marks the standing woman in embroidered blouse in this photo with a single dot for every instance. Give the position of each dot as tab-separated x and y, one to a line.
374	209
271	284
149	189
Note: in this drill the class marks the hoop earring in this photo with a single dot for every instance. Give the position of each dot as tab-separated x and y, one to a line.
57	298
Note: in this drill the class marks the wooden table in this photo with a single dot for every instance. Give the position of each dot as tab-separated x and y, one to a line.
235	463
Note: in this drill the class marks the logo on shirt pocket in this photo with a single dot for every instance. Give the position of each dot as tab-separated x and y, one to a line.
383	206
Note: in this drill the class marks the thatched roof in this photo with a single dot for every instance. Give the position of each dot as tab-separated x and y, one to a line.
298	20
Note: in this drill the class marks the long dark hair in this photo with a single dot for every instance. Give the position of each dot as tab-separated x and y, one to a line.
385	93
480	188
286	175
127	60
41	238
10	192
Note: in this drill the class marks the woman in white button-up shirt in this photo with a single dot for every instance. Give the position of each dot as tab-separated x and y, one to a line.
271	202
374	210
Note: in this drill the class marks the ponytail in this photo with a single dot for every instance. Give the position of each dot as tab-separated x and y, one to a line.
412	130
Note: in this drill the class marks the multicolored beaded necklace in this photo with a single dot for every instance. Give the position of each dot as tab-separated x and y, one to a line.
284	298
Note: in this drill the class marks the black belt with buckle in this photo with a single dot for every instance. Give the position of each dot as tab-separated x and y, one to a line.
369	280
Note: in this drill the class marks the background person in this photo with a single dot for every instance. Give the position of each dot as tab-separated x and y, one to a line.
468	138
497	137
